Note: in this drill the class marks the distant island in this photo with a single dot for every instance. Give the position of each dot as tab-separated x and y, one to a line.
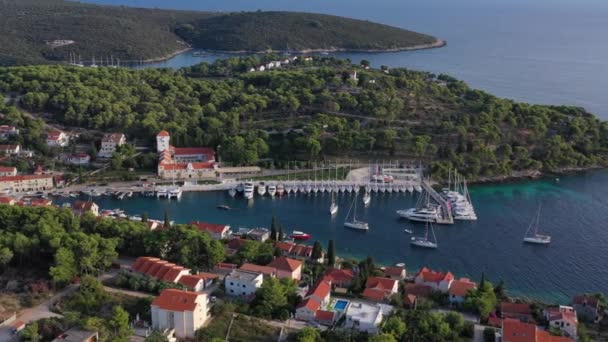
43	31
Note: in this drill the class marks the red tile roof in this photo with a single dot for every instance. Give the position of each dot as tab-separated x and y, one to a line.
324	316
516	331
112	137
172	274
515	308
394	271
339	275
207	276
190	281
321	290
418	290
226	265
22	178
184	166
374	294
83	205
286	264
584	299
409	299
433	276
8	169
176	300
236	243
310	303
6	200
8	147
210	227
140	261
54	135
385	284
194	151
265	270
163	133
285	247
461	287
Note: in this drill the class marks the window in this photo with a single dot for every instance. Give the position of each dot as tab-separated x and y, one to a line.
231	291
231	283
243	285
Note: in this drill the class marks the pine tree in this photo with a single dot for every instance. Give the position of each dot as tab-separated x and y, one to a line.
144	217
167	223
317	251
281	234
483	279
331	253
273	229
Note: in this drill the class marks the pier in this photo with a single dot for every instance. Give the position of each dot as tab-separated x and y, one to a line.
445	214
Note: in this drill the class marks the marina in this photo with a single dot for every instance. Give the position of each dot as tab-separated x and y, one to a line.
574	208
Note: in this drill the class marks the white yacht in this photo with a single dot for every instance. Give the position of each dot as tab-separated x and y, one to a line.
535	237
248	190
410	189
418	188
272	190
261	189
424	241
424	214
175	193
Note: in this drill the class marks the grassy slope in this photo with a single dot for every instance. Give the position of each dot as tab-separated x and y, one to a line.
255	31
136	33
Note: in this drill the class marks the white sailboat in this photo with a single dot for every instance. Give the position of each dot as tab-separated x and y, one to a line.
261	189
354	223
424	241
280	189
367	198
248	190
536	238
333	207
272	190
232	192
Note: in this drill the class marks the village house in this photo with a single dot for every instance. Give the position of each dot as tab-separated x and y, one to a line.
269	272
197	282
57	139
10	150
287	268
181	312
234	245
81	207
77	335
26	183
316	298
395	272
418	290
325	317
410	301
184	162
518	311
243	283
7	200
363	317
562	318
379	289
159	269
224	268
78	159
7	131
587	308
339	277
516	331
110	143
439	281
8	171
217	231
300	252
259	234
459	289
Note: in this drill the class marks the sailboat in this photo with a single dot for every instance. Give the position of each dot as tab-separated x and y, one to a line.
354	223
232	192
366	198
535	237
424	241
333	207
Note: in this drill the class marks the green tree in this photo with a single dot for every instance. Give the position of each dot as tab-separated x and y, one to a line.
308	334
157	336
395	327
30	333
167	222
384	337
317	251
119	324
331	253
65	267
273	229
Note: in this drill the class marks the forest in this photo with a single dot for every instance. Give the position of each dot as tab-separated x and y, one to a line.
316	110
112	33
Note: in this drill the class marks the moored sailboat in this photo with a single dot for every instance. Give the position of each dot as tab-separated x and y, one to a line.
536	238
424	241
354	223
333	207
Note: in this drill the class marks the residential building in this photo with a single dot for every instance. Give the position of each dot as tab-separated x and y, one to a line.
410	301
439	281
10	150
217	231
516	331
418	290
459	289
196	283
159	269
184	162
224	268
295	251
316	298
395	272
182	312
7	200
379	289
287	268
562	318
8	171
269	272
587	308
110	143
78	159
243	283
171	170
77	335
57	139
518	311
363	317
259	234
320	292
8	131
234	245
193	154
81	207
163	139
26	183
339	277
325	317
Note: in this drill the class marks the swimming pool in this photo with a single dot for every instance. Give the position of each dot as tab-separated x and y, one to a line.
340	305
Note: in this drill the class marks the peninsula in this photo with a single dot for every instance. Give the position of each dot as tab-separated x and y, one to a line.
43	31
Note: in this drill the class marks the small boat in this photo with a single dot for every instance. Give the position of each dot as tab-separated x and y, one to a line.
367	198
354	223
418	188
272	190
223	207
298	235
408	231
261	189
240	187
536	238
424	241
333	207
66	205
248	190
410	189
130	194
232	192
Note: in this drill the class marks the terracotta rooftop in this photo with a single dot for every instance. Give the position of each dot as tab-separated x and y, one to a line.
190	281
394	271
285	264
433	276
310	303
112	137
163	133
461	287
176	300
210	227
321	289
265	270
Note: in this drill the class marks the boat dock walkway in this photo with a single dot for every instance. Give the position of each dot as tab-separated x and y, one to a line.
445	215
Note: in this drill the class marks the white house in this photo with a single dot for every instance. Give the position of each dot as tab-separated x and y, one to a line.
10	149
217	231
57	139
317	298
563	318
438	281
78	159
109	143
8	131
181	312
243	283
363	317
194	283
459	289
162	141
261	68
287	268
8	171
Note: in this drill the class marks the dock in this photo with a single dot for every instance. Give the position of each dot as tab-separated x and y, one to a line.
445	215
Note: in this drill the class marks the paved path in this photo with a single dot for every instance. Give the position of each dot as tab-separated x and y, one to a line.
128	292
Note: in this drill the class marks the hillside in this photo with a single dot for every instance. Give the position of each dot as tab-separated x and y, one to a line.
134	34
314	110
257	31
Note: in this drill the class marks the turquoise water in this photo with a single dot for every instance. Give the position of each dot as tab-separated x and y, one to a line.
542	51
574	213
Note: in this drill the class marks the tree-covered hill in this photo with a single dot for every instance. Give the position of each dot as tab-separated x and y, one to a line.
314	110
256	31
135	34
